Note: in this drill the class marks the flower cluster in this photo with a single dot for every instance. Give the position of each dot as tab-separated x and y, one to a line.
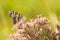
36	29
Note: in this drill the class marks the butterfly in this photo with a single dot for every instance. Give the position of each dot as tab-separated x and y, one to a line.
16	17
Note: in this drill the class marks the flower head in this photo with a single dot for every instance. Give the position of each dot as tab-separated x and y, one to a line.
35	29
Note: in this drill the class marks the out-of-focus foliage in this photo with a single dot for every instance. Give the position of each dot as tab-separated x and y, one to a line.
29	8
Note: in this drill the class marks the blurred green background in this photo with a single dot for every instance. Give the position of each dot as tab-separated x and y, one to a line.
28	8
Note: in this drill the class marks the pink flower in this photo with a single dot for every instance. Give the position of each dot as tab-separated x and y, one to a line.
31	23
20	30
18	36
34	29
58	25
42	20
19	25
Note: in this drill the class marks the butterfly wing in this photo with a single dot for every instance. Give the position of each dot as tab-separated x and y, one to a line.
16	17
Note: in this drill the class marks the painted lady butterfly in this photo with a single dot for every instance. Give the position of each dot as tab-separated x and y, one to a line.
16	17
